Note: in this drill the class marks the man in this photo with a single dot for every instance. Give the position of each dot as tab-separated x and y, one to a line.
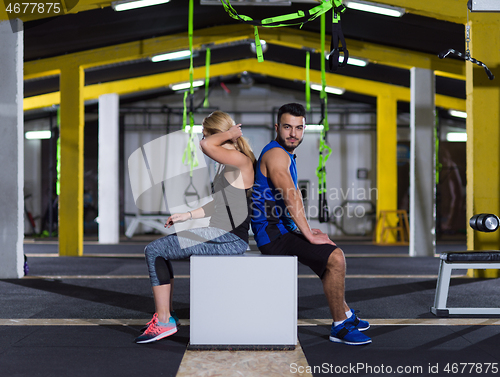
281	228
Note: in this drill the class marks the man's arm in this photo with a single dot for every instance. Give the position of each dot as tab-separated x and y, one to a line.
275	164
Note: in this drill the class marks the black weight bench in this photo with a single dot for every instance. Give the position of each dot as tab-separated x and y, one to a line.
460	260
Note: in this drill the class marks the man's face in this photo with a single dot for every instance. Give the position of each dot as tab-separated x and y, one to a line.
290	131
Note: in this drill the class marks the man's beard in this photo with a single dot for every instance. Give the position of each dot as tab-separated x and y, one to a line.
289	149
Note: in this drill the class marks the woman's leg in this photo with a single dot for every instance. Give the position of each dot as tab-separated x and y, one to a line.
162	296
160	252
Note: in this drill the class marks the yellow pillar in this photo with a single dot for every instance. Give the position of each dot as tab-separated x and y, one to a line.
483	131
71	133
387	170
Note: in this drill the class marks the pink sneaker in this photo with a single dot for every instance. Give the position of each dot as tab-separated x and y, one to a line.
157	330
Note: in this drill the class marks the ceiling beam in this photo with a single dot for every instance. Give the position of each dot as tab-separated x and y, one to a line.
446	10
225	35
278	70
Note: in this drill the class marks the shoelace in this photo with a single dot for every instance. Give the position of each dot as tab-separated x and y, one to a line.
155	318
153	328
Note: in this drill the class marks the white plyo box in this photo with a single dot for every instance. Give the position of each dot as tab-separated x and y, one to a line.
243	300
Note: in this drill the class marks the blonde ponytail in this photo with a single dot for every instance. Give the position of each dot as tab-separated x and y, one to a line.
219	121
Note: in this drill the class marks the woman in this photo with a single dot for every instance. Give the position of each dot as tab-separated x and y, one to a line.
227	233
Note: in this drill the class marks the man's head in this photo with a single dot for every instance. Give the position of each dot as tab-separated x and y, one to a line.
290	126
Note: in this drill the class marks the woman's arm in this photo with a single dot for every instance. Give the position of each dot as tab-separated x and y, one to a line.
212	147
181	217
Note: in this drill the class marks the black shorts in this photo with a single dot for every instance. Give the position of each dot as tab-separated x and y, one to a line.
313	256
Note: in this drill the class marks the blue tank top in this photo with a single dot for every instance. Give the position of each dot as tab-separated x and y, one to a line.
270	218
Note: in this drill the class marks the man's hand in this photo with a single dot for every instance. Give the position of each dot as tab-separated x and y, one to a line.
320	239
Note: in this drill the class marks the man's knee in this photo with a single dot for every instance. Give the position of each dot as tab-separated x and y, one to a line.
336	260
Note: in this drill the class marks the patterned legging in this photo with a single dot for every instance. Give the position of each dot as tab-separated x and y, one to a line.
198	241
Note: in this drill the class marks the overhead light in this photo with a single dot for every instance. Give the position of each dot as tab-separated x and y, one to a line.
37	135
197	128
456	136
187	85
457	113
354	61
351	61
366	6
177	55
314	127
328	89
134	4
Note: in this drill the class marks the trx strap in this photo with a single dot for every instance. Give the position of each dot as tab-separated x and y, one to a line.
58	153
308	81
324	149
207	77
190	156
439	166
337	36
299	18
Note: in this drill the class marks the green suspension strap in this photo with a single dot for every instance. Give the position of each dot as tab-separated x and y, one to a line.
439	166
190	158
58	153
299	18
207	77
337	36
308	81
324	149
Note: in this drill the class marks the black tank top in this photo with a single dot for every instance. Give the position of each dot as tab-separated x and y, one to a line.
232	207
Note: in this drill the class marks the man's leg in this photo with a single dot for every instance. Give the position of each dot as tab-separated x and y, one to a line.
334	285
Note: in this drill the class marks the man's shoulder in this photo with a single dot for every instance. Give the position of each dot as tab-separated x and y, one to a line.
273	149
276	156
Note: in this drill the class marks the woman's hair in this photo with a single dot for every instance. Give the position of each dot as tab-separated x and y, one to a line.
220	121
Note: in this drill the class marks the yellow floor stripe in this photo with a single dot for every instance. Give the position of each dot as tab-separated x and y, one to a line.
141	255
300	322
101	255
60	277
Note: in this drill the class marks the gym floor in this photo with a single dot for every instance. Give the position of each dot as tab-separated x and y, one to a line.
78	316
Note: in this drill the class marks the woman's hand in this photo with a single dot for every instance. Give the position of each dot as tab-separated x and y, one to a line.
177	218
235	132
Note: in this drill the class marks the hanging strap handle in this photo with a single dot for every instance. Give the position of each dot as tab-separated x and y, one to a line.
453	52
338	42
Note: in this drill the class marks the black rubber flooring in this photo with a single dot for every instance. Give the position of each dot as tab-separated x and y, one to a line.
110	351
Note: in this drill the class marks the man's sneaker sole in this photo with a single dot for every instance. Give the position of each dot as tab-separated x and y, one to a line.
337	340
158	337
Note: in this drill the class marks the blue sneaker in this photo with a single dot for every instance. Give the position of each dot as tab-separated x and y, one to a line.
346	333
358	323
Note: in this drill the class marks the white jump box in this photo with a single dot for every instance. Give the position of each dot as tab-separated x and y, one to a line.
246	300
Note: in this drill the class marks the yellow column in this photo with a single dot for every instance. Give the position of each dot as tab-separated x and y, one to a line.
387	170
71	133
483	132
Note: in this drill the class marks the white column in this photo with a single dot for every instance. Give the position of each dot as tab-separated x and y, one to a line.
422	164
108	171
11	151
